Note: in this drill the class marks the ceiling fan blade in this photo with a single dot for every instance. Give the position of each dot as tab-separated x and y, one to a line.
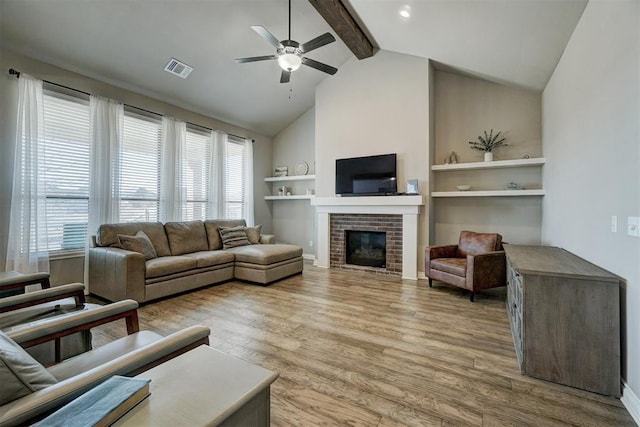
319	66
255	58
285	76
319	41
267	35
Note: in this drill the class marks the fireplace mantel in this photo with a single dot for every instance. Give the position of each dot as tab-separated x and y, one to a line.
407	206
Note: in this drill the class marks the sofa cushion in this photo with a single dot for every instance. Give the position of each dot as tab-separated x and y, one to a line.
211	258
139	243
253	234
186	237
232	237
107	235
20	374
266	254
213	232
168	265
472	243
455	266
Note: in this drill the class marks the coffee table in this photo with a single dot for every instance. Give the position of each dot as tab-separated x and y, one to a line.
204	387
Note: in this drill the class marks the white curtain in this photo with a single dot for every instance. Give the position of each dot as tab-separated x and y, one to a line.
217	195
27	250
106	123
173	196
248	183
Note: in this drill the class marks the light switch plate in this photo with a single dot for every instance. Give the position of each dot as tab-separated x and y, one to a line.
633	226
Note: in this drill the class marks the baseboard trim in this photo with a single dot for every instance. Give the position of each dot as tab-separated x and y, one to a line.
311	257
422	276
631	401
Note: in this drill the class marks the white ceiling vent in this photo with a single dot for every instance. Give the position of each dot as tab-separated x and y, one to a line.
178	68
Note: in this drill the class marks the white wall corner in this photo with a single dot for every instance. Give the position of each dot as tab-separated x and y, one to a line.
631	401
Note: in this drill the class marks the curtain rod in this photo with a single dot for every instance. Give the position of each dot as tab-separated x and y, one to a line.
14	72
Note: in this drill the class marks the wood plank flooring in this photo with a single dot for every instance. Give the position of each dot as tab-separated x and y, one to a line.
369	350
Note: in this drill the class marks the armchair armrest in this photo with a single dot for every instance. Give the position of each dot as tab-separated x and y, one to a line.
60	326
267	238
18	280
39	403
28	299
486	270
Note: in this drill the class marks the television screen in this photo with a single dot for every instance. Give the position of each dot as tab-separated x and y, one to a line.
366	176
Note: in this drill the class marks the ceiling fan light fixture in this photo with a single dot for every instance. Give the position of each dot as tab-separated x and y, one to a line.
289	61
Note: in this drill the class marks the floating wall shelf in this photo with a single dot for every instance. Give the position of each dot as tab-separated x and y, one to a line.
488	193
496	164
290	178
292	197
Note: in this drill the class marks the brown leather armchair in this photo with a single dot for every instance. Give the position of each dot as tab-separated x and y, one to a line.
477	262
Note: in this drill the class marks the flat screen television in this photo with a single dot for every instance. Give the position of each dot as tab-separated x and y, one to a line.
366	176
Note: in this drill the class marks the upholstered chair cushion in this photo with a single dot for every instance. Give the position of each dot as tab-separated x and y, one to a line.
472	243
253	234
186	237
139	243
20	374
232	237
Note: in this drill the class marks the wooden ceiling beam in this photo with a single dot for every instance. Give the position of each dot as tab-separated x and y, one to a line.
343	23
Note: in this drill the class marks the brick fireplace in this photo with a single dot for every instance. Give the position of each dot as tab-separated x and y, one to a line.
343	224
397	216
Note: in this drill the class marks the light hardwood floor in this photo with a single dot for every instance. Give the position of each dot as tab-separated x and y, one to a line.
361	349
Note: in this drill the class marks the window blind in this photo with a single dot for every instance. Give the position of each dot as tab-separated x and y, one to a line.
140	167
234	178
197	163
67	147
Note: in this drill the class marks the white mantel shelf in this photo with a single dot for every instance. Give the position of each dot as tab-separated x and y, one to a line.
407	206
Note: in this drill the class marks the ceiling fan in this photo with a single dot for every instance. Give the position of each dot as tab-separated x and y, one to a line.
289	52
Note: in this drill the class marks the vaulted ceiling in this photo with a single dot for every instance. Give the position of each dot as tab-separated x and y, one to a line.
128	42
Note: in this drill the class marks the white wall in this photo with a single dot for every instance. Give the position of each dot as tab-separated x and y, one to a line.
378	105
464	108
294	220
591	138
67	270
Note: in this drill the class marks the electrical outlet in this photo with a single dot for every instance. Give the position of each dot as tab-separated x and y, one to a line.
614	224
310	243
633	226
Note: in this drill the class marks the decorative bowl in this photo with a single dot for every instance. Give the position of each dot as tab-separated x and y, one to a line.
463	187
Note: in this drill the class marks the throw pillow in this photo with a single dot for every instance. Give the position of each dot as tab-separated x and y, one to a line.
20	374
233	237
139	243
253	234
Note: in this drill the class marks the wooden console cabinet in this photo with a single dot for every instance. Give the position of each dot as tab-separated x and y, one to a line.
565	318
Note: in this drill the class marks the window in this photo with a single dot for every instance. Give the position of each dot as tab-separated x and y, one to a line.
67	150
140	167
67	146
234	167
198	154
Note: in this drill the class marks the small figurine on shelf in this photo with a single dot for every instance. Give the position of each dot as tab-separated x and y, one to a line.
451	158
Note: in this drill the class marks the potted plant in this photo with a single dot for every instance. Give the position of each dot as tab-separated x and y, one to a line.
488	143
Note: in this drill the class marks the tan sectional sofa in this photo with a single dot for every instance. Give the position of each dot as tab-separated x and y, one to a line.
189	255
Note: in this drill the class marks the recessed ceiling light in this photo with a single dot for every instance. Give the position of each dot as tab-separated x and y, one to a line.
405	12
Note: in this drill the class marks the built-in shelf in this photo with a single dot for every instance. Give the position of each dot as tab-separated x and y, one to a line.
488	193
497	164
292	197
290	178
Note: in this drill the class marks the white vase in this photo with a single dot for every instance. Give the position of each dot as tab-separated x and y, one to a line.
488	156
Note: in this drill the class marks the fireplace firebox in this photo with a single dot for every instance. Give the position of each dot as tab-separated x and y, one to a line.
366	248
